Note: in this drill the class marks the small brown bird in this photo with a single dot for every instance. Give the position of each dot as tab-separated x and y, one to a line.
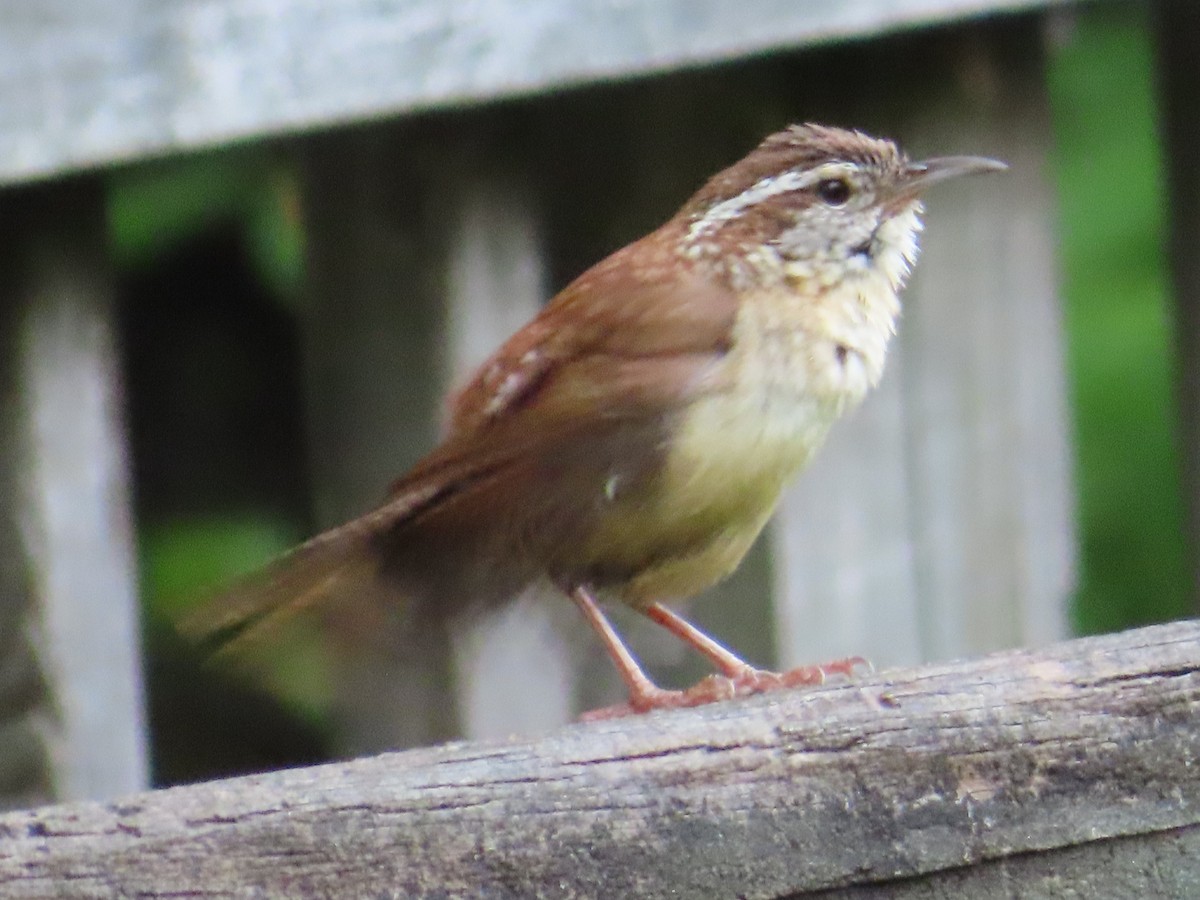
632	440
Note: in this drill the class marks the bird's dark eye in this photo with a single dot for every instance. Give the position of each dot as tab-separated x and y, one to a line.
833	191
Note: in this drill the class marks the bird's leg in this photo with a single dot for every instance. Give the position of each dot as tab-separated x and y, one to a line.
738	678
644	694
744	677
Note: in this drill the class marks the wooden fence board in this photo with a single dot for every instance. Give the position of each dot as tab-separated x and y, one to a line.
955	769
374	336
87	82
68	598
938	521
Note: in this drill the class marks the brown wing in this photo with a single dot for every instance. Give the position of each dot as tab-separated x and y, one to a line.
636	304
590	386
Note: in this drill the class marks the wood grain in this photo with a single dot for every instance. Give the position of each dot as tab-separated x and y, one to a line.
1088	747
84	82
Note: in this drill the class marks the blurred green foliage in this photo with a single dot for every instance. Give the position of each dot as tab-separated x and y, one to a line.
183	553
287	680
153	209
1118	320
156	206
178	219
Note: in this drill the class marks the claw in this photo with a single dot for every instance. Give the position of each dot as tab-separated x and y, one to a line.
710	689
819	674
713	688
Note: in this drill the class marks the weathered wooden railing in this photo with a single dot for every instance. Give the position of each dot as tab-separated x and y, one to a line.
1074	765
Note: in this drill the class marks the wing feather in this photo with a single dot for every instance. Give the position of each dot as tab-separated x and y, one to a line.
590	387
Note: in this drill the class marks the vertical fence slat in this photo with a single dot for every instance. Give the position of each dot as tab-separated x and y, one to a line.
69	494
496	284
422	263
614	172
986	393
842	546
938	521
374	341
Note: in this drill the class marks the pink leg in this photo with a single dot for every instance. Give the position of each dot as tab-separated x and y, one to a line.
644	694
738	677
746	679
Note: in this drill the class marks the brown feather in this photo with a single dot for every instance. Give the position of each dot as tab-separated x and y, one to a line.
634	304
534	438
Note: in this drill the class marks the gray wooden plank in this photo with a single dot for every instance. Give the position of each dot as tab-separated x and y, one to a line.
952	771
612	173
71	588
842	541
514	668
374	329
986	390
88	82
938	520
425	255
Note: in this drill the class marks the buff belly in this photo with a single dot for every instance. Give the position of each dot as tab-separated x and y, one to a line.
731	460
794	369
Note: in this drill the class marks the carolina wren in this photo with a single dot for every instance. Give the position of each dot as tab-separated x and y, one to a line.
630	442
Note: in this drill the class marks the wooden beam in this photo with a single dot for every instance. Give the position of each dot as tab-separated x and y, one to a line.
1068	766
70	692
87	82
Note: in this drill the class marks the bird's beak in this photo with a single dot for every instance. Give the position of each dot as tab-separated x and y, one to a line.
919	176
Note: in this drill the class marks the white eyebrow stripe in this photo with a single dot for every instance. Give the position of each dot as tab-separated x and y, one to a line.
770	186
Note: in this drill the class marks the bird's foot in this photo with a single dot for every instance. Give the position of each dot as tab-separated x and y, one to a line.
707	690
819	674
750	680
720	687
